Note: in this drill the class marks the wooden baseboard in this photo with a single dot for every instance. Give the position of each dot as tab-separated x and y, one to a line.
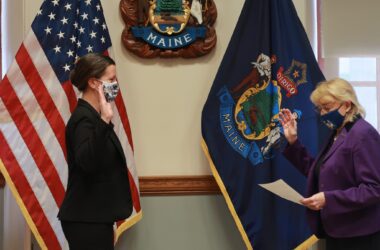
178	185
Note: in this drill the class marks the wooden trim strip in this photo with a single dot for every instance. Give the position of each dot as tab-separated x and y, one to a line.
172	185
178	185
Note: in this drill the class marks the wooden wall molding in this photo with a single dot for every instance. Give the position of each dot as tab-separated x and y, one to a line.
178	185
171	185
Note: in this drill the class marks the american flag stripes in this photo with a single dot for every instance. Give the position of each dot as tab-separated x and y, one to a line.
36	100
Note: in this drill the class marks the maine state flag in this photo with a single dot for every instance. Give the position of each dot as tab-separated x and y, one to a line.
268	65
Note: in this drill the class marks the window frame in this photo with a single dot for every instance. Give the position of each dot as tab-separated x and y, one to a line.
330	66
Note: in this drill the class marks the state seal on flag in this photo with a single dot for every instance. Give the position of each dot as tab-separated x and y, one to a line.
249	111
169	28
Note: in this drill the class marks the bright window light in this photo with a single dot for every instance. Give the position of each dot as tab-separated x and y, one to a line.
368	99
357	68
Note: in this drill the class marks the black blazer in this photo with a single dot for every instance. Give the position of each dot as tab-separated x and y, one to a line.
98	186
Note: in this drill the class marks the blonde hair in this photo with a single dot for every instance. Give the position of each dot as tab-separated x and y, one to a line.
339	90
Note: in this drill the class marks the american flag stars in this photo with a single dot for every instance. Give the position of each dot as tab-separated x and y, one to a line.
68	6
55	2
52	16
48	30
84	16
64	20
93	34
66	67
70	53
61	35
71	29
89	49
57	49
73	39
81	30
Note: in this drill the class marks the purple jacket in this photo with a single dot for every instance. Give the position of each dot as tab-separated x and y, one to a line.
349	177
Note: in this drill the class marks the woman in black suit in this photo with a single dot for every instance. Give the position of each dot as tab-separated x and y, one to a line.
98	192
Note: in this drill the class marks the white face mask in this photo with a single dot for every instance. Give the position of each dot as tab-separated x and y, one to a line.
110	90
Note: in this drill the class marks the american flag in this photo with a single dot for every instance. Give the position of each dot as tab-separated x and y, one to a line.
36	100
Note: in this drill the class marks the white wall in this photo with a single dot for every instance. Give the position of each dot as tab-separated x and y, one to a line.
164	99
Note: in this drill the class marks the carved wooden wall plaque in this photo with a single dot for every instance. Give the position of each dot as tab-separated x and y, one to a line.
169	28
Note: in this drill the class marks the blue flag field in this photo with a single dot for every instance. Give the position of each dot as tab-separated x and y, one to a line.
268	65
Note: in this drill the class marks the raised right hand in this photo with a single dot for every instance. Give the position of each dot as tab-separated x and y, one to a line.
289	123
106	112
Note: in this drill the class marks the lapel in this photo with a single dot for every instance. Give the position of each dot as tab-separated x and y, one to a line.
96	117
311	175
339	141
326	144
117	144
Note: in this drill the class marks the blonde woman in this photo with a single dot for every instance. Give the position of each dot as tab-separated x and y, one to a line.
343	181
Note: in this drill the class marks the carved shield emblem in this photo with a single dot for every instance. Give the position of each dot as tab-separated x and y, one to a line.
169	28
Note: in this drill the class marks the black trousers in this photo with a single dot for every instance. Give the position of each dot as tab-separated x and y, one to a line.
88	236
366	242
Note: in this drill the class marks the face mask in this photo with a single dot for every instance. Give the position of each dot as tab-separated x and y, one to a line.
110	90
333	119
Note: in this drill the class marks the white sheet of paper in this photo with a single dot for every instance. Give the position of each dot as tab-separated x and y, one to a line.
282	189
